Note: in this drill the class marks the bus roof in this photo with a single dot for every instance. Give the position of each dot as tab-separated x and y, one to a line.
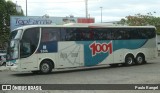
84	25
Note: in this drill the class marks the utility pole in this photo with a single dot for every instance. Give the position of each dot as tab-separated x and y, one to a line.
101	14
26	7
86	5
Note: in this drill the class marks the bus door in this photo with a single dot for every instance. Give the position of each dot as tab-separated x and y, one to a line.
29	63
28	46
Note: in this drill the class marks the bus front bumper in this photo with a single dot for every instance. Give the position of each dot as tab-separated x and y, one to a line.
14	68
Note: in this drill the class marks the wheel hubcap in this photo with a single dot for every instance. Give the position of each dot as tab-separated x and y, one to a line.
45	67
130	61
139	59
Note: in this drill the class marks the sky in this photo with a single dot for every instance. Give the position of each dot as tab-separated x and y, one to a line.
112	10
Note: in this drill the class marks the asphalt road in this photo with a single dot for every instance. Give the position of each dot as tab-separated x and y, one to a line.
140	74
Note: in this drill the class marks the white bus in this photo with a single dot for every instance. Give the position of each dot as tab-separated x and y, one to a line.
41	48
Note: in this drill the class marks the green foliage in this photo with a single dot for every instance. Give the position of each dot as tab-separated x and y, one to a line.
142	20
2	21
7	8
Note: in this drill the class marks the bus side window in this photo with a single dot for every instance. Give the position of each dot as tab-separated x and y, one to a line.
50	34
45	36
63	34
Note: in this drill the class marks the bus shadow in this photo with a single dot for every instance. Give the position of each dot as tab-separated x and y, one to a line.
75	70
58	72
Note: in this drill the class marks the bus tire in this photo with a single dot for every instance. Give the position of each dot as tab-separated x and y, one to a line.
129	60
140	59
46	67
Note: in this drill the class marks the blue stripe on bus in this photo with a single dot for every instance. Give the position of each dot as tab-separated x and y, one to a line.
128	44
90	60
48	47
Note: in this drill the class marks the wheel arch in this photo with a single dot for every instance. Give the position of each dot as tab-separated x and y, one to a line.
140	53
128	54
47	59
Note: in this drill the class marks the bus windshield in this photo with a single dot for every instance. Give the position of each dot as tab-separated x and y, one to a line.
16	34
29	42
12	51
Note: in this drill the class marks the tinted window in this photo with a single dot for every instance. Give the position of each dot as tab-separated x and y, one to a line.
85	34
102	34
133	33
71	34
79	34
50	34
150	33
75	34
29	42
13	34
142	33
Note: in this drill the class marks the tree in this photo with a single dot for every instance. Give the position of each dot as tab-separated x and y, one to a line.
2	21
142	20
7	8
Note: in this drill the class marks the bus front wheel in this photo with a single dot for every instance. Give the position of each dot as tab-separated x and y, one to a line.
46	67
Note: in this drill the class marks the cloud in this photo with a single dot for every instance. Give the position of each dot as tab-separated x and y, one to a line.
119	9
113	10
